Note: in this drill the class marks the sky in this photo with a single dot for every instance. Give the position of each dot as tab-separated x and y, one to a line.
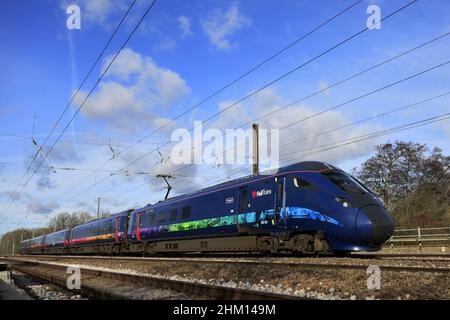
181	53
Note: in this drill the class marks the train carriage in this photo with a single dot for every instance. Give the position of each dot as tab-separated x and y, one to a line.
56	242
25	247
104	235
308	207
37	245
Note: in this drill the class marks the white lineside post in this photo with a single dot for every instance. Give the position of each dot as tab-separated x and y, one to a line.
419	240
98	206
255	144
14	244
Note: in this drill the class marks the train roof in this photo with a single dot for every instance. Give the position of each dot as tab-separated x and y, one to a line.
104	218
312	166
59	231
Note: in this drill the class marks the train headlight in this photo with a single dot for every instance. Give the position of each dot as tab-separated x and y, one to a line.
344	202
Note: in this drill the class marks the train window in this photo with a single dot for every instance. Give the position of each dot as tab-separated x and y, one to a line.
151	218
161	217
280	186
345	182
173	215
185	213
243	199
300	183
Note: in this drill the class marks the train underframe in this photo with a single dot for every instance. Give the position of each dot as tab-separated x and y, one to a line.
283	242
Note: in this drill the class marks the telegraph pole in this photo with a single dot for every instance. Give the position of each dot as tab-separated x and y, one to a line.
255	148
98	206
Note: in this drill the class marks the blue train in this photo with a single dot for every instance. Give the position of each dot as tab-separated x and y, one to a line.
308	207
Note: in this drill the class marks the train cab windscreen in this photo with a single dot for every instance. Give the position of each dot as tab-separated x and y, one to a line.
345	182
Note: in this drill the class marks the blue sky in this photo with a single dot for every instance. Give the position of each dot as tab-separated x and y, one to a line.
184	51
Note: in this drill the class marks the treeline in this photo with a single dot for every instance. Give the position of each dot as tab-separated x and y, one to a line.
412	181
10	241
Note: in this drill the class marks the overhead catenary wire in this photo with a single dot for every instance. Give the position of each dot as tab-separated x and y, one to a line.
72	98
254	93
223	88
338	105
105	144
351	77
337	83
403	127
367	119
340	144
87	97
377	133
223	110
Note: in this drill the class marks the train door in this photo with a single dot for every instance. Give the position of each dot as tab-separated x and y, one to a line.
243	207
138	226
117	228
280	201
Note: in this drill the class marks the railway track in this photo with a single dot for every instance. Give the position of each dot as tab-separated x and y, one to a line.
244	278
56	273
326	264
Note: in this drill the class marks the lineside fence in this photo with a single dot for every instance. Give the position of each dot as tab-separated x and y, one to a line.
421	237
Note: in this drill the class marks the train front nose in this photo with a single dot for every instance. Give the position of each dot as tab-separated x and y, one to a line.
374	225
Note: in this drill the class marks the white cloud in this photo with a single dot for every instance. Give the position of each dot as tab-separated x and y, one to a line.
37	206
184	24
221	24
4	111
165	45
324	86
269	100
98	10
136	90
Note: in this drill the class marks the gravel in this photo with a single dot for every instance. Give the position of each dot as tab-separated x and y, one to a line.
297	280
42	291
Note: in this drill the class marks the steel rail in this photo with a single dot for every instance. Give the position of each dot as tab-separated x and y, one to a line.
251	261
188	287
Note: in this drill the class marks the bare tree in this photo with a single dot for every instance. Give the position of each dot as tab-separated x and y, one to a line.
412	181
65	220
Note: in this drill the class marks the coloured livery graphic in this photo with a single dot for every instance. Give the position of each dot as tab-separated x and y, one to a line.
308	207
